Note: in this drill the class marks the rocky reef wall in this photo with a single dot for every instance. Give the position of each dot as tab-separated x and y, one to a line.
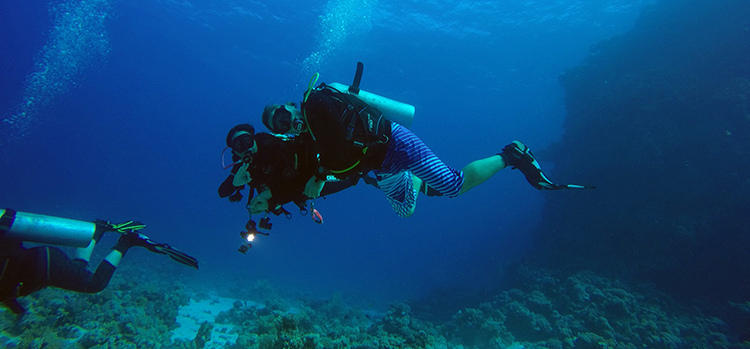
659	120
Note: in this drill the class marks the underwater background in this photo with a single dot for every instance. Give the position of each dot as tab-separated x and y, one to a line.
118	110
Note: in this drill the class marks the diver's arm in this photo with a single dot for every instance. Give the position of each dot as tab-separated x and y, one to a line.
313	187
228	188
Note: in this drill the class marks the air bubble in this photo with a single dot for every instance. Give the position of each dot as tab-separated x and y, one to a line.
342	20
78	38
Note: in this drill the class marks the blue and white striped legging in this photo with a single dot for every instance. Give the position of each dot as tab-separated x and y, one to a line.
408	155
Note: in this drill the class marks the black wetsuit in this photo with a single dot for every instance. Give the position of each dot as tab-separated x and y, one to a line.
27	270
285	167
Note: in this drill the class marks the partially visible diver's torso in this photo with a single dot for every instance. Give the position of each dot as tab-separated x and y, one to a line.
326	112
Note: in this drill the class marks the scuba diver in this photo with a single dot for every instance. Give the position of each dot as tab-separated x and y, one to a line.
352	136
276	168
266	163
27	270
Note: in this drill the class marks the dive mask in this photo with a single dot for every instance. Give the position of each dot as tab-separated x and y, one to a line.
242	143
281	120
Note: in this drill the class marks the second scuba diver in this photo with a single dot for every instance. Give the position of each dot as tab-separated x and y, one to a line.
353	137
341	139
28	270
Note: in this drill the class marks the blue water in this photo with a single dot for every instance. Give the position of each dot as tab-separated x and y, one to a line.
119	110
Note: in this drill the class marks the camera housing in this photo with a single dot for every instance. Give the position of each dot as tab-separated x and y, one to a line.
264	223
244	248
250	234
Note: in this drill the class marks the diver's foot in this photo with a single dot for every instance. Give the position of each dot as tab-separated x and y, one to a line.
519	156
128	240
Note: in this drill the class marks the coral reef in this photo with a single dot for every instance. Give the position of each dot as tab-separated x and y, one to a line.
135	311
585	310
545	309
328	324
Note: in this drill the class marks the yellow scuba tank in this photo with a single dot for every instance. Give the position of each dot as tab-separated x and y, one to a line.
398	112
43	229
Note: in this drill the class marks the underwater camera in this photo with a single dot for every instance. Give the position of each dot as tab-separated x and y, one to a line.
249	235
245	246
265	224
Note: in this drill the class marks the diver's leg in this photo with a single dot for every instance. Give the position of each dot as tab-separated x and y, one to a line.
481	170
408	152
400	191
84	254
417	183
72	275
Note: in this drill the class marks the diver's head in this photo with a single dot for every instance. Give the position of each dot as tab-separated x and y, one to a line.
282	119
241	139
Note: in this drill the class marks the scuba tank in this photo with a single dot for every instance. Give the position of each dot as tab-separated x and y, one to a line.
43	229
398	112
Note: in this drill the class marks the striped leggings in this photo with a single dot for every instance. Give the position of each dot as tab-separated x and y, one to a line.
407	155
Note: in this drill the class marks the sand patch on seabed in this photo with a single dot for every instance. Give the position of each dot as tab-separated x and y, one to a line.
191	316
